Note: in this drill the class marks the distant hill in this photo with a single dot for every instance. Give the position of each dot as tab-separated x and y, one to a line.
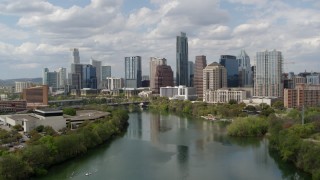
10	82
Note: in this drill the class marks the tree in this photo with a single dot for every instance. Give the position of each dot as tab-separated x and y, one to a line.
12	167
18	127
69	111
251	108
39	128
278	105
233	101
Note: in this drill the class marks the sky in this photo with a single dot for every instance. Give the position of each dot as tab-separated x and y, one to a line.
35	34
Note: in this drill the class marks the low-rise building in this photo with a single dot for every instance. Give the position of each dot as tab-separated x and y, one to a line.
30	121
179	92
89	92
225	95
303	95
36	96
13	106
84	115
145	94
257	100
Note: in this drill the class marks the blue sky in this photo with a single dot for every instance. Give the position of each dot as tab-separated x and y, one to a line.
36	33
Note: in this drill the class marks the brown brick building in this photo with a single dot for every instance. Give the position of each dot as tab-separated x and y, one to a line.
13	106
36	95
163	77
302	95
200	64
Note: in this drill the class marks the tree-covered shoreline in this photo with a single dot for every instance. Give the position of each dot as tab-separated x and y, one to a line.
46	151
294	142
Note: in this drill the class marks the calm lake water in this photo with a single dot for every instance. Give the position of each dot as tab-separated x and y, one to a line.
160	147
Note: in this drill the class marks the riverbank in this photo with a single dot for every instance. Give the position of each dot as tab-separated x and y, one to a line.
46	151
286	135
169	146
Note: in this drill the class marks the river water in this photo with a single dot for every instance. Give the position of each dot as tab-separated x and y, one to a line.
161	147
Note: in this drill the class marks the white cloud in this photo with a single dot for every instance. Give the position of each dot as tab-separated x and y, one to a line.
26	66
251	28
45	32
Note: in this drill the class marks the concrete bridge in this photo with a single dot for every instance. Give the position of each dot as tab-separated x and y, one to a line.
72	102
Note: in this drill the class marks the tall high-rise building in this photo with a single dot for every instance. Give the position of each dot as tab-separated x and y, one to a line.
190	73
231	64
245	72
163	77
268	74
154	62
89	76
76	56
133	73
50	78
214	77
200	64
76	76
105	72
182	60
62	77
97	65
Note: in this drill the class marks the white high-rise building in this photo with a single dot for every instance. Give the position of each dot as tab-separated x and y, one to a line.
245	71
113	83
19	86
154	62
62	77
268	74
97	65
214	77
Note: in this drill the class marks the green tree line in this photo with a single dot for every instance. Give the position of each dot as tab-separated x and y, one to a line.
48	150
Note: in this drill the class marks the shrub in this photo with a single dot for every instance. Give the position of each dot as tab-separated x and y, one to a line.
248	126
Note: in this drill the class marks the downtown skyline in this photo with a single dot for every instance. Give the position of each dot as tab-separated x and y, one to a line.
40	34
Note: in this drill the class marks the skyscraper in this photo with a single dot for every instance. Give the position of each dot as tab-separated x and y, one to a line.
62	77
182	60
214	77
89	76
268	74
154	62
133	73
105	72
50	78
231	64
245	72
163	77
97	65
190	73
76	56
200	64
76	76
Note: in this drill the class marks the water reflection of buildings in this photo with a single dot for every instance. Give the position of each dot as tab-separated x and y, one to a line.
211	132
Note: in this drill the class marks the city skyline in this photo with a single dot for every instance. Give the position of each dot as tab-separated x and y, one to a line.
40	34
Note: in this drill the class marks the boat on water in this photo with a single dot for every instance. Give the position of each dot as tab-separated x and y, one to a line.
88	174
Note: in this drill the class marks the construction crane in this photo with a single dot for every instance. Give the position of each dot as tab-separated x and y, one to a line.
285	63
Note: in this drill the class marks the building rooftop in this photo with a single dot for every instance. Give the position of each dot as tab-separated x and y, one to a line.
27	117
88	115
48	110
